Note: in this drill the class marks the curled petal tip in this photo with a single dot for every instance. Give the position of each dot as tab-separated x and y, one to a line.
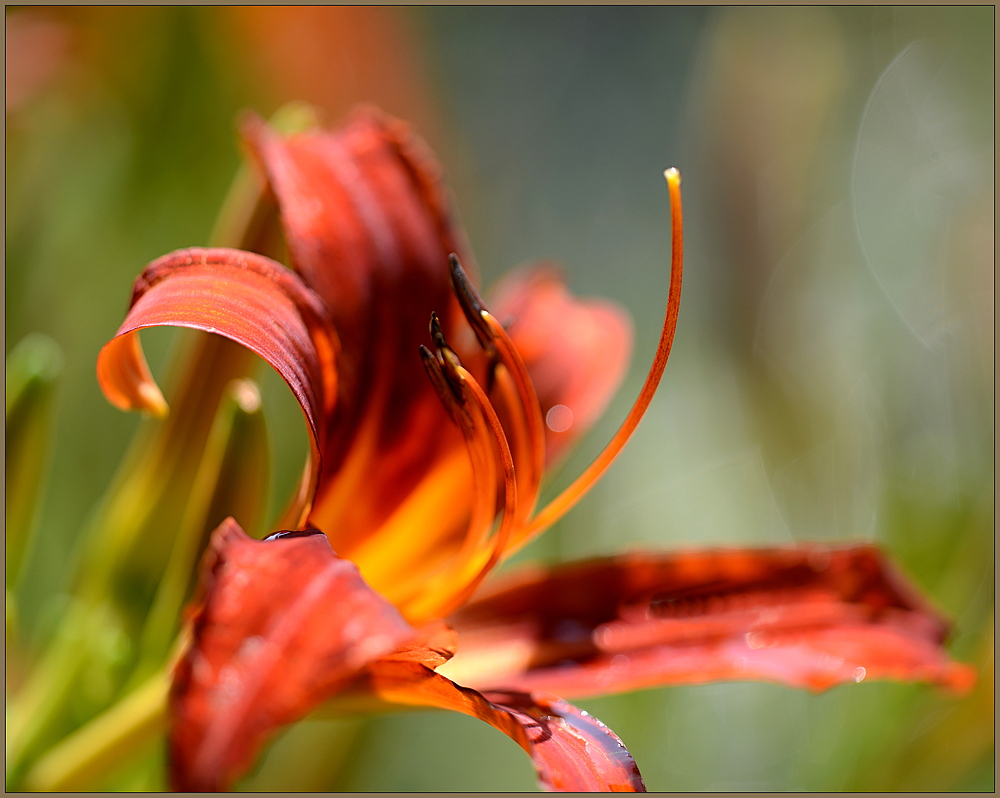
152	400
282	625
125	379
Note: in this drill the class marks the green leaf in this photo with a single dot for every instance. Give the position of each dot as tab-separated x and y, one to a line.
33	367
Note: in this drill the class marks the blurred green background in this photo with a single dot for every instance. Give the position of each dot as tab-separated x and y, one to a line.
833	372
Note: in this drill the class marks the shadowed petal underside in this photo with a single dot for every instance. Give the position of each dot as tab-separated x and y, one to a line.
572	751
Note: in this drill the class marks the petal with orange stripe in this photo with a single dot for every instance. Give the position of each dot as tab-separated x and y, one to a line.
245	297
805	616
369	229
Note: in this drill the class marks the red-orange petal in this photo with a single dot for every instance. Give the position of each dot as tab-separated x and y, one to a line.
369	229
280	625
805	616
572	751
576	350
242	296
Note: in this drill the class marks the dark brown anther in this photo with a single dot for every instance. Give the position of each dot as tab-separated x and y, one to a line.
437	334
446	356
450	395
471	303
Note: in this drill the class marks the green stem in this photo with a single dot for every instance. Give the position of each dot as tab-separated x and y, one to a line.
97	748
32	369
44	695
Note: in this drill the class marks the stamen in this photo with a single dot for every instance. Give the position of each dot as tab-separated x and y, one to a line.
437	333
469	418
472	574
530	409
445	355
525	412
475	433
528	477
449	396
476	557
450	588
578	489
484	480
477	441
471	303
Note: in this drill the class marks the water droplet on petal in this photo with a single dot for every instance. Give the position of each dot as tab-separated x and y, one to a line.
292	533
858	674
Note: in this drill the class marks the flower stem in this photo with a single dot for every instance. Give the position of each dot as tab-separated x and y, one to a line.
565	501
96	748
30	713
32	369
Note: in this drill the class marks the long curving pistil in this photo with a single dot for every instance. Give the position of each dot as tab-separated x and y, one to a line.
559	506
456	386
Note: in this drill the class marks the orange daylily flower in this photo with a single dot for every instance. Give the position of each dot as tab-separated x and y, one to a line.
424	473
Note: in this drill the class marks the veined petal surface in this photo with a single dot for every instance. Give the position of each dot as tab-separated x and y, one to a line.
369	229
805	616
242	296
280	625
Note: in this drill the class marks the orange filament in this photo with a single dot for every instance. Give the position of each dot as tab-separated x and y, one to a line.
559	506
479	447
519	436
422	587
484	480
451	587
472	574
527	408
